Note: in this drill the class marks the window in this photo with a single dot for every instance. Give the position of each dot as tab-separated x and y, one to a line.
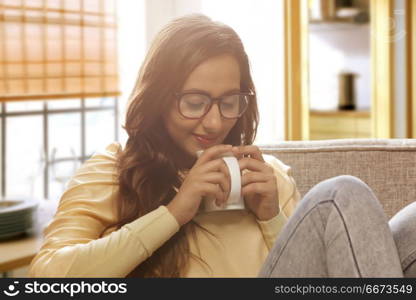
61	53
45	142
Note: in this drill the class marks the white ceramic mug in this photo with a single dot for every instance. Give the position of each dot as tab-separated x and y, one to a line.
235	199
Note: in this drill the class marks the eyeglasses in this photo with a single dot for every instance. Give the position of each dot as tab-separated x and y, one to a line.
193	105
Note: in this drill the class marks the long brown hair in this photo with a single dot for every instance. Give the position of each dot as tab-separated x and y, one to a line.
149	165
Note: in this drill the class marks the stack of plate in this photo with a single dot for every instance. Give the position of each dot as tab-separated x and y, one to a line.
16	217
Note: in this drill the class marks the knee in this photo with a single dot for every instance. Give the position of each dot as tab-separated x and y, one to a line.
354	184
344	188
339	184
403	226
346	182
404	221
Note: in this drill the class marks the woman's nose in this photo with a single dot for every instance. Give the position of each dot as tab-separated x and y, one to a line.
212	121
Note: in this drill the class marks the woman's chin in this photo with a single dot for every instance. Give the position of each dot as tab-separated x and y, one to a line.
191	151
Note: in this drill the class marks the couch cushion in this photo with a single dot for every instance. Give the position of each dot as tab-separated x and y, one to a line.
388	166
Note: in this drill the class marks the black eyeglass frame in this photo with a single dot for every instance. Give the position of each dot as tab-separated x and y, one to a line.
212	102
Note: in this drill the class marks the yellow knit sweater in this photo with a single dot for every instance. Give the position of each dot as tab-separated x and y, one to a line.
72	247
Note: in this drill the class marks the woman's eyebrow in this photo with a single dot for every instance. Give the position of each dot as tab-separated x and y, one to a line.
208	93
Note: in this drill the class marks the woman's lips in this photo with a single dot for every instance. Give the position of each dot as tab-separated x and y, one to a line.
204	141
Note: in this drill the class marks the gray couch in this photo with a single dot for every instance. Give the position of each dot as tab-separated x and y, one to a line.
388	166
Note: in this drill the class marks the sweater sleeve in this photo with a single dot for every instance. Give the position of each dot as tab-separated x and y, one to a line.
72	245
288	195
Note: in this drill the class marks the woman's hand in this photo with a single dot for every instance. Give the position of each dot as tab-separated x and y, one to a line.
259	186
209	176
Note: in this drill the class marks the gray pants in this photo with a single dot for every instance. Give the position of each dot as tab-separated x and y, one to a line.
339	229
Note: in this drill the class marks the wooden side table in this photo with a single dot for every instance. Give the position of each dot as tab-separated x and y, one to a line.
18	252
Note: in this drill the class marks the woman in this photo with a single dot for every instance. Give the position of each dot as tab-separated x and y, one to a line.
135	211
